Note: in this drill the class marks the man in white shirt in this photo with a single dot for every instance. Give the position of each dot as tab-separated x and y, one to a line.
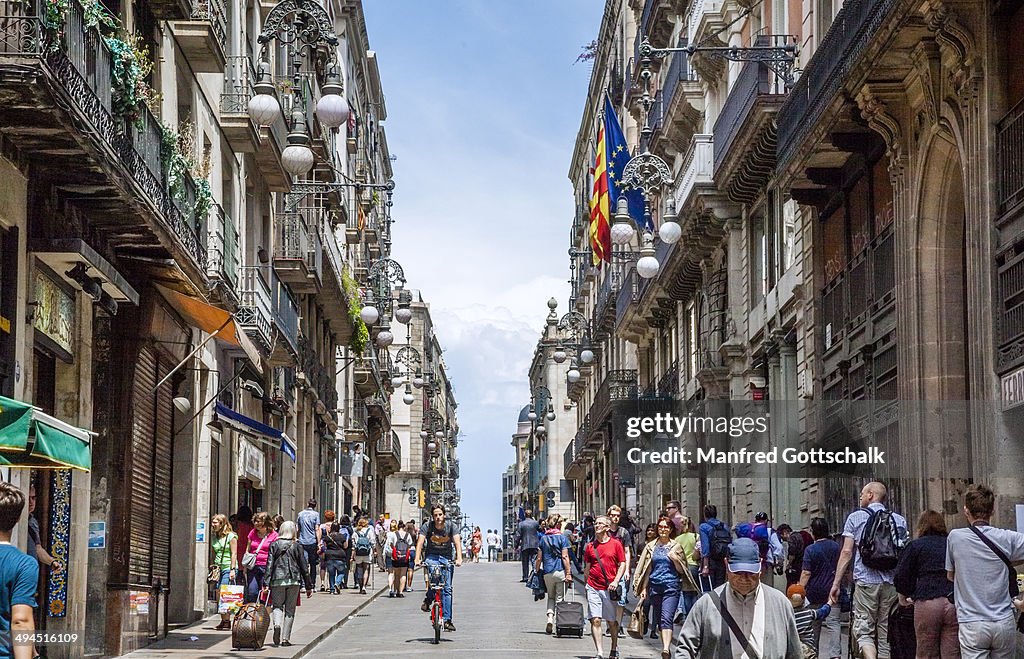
984	609
761	617
493	545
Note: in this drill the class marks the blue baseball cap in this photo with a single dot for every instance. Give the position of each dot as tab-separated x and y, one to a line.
744	556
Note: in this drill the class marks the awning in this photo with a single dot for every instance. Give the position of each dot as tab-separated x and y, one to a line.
254	428
211	320
31	438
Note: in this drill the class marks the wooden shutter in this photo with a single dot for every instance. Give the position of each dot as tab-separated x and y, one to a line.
162	480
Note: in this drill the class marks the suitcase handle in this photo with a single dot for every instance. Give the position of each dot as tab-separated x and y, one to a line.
569	589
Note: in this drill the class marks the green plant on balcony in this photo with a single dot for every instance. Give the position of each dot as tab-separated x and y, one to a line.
360	334
176	149
131	66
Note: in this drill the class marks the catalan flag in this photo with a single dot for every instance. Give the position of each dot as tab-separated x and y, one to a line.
600	222
609	162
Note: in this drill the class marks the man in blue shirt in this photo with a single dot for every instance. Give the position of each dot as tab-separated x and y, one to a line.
309	537
818	570
19	573
712	565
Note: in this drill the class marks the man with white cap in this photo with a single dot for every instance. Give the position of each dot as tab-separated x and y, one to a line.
742	618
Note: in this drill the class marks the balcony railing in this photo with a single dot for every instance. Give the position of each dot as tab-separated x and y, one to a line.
754	82
604	306
389	448
254	309
286	313
213	11
80	62
628	294
355	416
698	167
238	79
832	63
1010	151
223	246
618	385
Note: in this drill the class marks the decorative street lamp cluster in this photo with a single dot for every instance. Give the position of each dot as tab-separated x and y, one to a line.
541	407
574	331
384	274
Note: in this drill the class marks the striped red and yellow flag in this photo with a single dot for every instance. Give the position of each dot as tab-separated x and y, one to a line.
600	224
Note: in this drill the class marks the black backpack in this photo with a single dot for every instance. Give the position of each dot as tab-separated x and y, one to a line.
881	542
721	538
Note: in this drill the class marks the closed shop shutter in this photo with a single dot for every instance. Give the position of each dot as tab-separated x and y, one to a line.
152	427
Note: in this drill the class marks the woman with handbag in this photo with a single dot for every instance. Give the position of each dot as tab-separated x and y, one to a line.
553	563
257	550
325	528
661	566
335	556
224	566
287	572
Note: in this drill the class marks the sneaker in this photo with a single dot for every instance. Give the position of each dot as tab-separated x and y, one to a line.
449	626
425	607
323	589
286	644
614	654
400	595
391	594
362	591
277	635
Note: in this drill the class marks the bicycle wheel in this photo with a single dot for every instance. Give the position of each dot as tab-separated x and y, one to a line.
436	618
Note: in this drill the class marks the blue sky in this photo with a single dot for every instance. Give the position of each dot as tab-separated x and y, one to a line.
484	102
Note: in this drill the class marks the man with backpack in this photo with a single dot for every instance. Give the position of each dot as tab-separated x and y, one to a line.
873	537
364	541
797	542
978	562
715	538
768	544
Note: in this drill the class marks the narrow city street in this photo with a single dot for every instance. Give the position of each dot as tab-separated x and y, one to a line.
494	614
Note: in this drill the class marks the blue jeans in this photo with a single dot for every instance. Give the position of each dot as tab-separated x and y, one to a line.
254	582
687	598
335	573
448	574
624	585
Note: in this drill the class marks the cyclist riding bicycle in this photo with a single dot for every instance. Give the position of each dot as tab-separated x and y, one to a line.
437	540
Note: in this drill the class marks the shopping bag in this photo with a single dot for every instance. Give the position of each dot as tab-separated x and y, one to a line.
637	622
230	598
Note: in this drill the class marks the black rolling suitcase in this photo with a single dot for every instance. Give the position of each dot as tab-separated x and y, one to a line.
569	615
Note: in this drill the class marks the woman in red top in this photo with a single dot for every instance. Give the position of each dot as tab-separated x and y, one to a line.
476	545
325	528
258	542
242	524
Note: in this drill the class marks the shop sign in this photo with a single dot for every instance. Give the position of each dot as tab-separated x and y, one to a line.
55	312
1013	389
250	462
97	535
138	602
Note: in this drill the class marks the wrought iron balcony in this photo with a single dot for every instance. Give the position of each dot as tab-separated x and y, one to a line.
576	451
202	36
355	419
286	317
254	309
604	307
317	376
389	453
821	83
223	247
745	137
1010	152
239	130
58	111
628	295
298	252
619	385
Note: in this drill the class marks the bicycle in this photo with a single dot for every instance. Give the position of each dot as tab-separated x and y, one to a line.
436	584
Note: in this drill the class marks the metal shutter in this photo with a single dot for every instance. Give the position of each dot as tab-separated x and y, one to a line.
140	551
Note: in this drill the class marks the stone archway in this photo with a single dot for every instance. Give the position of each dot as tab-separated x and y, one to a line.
938	384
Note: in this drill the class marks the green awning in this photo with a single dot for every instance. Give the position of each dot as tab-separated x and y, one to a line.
31	438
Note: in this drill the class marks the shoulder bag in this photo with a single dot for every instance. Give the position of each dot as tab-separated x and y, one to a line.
249	558
614	593
213	574
748	649
1014	590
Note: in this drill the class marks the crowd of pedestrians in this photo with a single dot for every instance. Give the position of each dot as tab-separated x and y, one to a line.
708	590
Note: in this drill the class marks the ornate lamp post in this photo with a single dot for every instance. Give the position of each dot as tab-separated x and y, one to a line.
650	174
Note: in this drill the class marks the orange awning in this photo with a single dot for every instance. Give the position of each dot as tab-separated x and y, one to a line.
212	320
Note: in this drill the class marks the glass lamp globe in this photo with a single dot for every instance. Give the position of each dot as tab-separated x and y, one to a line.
263	107
648	266
403	315
424	434
532	416
670	231
408	398
439	434
587	355
332	108
397	381
573	375
369	315
297	159
417	382
558	356
384	339
431	447
622	229
551	416
541	430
